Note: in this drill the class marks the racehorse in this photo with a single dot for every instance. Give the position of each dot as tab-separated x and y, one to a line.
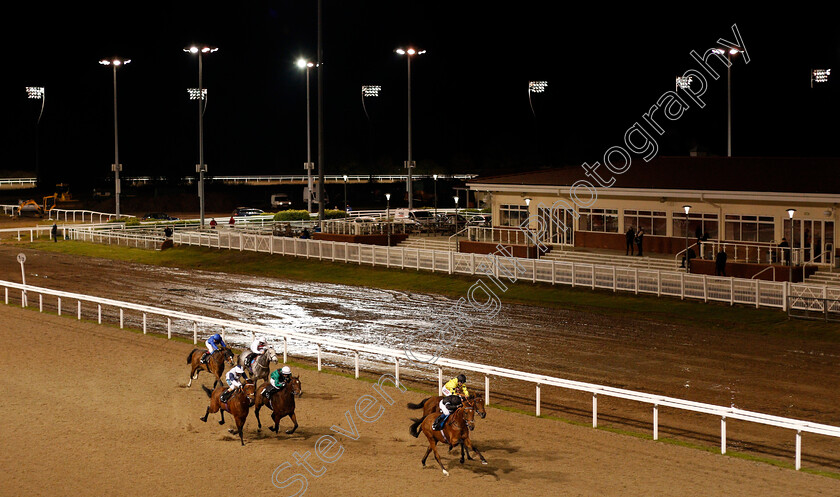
431	405
237	405
260	366
456	429
281	403
215	364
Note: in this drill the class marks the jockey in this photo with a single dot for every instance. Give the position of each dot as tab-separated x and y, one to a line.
258	346
232	379
277	380
448	405
456	386
213	344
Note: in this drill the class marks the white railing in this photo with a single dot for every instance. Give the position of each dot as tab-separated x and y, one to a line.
338	345
757	293
70	215
516	236
18	181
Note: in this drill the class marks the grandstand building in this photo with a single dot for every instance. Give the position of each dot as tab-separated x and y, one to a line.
732	200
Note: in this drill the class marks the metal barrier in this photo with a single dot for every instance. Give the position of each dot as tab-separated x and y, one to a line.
538	380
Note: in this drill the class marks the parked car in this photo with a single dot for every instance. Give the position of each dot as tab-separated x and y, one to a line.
449	219
159	216
280	201
247	211
482	220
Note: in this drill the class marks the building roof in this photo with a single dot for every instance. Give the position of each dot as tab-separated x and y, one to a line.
746	174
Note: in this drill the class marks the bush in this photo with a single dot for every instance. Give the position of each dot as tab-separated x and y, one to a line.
132	221
334	214
292	215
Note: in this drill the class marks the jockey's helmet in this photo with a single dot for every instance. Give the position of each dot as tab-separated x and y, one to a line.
462	378
286	370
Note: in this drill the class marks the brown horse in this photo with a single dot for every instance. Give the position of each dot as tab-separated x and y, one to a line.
431	405
456	429
281	403
215	364
237	405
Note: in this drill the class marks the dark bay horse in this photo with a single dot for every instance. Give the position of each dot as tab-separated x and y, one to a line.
237	405
456	429
261	367
431	405
281	403
215	365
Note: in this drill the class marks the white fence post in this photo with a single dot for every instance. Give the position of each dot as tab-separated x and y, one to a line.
594	409
319	357
168	328
486	390
144	323
538	400
121	318
79	309
195	333
731	291
798	449
397	370
59	301
440	381
723	435
682	286
40	302
655	422
99	313
356	360
285	349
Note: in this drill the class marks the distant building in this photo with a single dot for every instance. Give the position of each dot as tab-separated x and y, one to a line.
742	200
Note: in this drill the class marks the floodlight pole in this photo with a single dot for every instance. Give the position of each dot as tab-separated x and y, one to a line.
309	164
37	93
320	62
201	168
116	167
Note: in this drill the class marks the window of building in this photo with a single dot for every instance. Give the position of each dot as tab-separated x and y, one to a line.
749	228
707	224
654	222
512	215
601	220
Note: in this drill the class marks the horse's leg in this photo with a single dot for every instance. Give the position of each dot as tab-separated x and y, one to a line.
462	453
206	413
469	445
222	412
257	414
294	420
428	451
437	458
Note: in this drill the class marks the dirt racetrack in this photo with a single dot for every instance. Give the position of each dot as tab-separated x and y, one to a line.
108	414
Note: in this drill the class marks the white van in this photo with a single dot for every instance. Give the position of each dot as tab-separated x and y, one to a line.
418	216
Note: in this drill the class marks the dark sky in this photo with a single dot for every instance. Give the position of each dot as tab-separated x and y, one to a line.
604	68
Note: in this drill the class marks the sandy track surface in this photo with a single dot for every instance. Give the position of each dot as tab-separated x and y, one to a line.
110	415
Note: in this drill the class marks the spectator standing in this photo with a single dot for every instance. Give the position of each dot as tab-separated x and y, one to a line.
640	238
232	221
631	237
720	263
213	223
54	232
785	250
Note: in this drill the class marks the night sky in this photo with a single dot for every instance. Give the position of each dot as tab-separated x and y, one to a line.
604	69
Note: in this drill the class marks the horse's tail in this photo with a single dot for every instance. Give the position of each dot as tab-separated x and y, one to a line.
189	357
414	429
418	405
207	391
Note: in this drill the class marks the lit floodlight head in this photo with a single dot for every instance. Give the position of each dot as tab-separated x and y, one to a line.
411	51
821	75
684	82
387	196
115	61
791	212
455	198
528	202
734	51
192	49
537	86
718	51
345	178
195	94
35	92
686	208
400	51
371	90
434	176
202	49
301	63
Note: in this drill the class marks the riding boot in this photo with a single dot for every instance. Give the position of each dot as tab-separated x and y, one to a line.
225	396
267	393
437	425
204	358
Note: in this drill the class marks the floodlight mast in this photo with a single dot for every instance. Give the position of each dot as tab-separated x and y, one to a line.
309	165
535	87
201	95
819	76
409	164
116	166
37	93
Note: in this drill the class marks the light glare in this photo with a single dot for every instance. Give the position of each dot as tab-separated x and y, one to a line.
537	86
